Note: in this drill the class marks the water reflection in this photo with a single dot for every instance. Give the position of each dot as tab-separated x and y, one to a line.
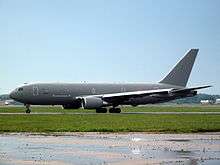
110	148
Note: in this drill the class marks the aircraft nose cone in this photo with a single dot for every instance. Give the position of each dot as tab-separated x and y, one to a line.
12	95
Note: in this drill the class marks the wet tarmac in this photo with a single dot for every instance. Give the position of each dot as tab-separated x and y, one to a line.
114	148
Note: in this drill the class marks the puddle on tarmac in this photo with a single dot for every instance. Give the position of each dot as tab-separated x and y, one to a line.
93	148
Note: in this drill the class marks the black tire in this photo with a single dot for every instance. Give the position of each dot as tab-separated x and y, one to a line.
28	111
114	110
111	110
117	110
101	110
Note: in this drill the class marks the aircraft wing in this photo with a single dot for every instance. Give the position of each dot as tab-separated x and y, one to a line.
127	95
122	96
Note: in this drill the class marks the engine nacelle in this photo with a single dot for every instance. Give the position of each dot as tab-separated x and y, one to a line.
92	103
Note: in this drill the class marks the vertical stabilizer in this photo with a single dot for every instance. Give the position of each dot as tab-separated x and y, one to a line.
179	75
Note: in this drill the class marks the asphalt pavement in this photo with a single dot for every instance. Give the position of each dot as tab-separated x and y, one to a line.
125	113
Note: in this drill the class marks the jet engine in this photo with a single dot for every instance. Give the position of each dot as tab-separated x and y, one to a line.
92	103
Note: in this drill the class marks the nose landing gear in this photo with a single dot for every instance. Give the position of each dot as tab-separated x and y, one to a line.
28	110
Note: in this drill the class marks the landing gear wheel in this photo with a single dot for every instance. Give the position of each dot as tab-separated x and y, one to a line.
28	110
111	110
114	110
101	110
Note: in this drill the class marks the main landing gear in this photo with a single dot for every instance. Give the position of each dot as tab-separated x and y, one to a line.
114	110
28	110
101	110
111	110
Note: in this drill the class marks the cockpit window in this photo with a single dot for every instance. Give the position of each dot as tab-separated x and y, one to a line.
20	89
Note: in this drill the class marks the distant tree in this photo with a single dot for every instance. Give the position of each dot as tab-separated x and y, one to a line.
196	99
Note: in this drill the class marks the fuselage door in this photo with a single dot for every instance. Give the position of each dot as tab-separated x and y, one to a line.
35	90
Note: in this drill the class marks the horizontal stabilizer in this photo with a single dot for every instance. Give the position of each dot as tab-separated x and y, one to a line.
190	89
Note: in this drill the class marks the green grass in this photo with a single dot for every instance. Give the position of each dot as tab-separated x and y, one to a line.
175	123
110	123
168	108
150	108
21	109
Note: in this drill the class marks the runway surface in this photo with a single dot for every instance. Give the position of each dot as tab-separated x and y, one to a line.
113	149
88	113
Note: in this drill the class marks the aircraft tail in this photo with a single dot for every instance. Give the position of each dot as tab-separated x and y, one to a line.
179	75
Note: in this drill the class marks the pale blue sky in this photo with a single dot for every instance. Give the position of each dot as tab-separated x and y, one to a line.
107	41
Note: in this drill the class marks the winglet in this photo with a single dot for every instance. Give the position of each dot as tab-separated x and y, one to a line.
179	75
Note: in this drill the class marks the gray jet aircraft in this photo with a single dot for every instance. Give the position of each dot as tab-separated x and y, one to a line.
100	96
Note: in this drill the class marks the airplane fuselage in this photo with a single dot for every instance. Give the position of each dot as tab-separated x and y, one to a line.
99	96
66	93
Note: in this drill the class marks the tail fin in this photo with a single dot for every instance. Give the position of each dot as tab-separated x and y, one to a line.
179	75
